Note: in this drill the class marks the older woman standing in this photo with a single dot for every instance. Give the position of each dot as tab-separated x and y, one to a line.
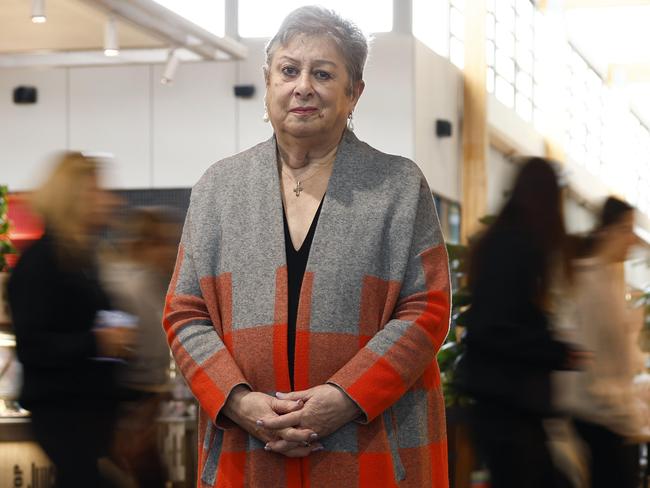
312	350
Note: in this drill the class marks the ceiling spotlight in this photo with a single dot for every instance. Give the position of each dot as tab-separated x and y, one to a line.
170	68
38	11
111	46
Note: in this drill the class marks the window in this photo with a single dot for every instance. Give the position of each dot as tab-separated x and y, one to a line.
440	24
586	112
209	15
457	33
625	160
431	24
509	54
262	18
449	217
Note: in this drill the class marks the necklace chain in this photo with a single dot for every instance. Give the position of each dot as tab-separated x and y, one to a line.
299	181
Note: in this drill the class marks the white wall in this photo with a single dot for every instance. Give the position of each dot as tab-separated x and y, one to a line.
28	132
511	129
166	136
579	219
500	177
438	95
193	122
251	129
637	271
109	111
384	116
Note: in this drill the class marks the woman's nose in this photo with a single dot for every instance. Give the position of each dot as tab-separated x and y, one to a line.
304	87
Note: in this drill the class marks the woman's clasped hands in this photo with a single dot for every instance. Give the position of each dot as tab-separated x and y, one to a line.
291	423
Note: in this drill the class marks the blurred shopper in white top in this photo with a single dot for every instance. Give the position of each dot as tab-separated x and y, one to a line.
606	412
136	279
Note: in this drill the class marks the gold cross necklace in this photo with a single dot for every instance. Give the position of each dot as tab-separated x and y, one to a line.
298	189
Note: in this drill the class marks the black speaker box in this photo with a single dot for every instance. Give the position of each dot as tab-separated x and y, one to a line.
244	91
443	128
25	94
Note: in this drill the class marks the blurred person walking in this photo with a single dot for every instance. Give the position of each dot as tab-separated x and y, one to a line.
601	398
136	278
55	297
510	349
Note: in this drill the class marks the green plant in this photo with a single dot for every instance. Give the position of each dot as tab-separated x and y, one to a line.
5	244
452	349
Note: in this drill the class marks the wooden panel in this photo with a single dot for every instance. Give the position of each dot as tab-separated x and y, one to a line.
475	134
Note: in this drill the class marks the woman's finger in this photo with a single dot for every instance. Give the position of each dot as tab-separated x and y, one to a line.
303	451
281	445
293	395
297	435
286	406
281	421
293	449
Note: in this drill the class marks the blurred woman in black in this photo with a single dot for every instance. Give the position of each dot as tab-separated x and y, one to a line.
54	294
510	350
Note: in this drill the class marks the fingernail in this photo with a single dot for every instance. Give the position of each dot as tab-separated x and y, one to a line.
280	395
299	403
259	422
313	436
317	448
267	447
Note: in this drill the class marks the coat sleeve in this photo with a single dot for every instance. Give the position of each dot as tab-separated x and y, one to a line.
202	358
397	356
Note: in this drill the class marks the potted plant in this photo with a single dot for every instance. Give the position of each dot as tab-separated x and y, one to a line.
5	248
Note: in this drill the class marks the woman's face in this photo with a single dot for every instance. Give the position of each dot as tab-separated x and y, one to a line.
308	88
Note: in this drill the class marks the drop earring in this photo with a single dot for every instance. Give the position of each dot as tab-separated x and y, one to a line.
265	117
350	122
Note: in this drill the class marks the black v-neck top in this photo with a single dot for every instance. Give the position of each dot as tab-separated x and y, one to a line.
296	264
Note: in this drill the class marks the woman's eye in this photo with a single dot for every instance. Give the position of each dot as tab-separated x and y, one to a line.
322	75
289	71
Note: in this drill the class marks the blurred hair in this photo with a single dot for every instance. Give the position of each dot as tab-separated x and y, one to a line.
611	213
318	21
534	209
59	199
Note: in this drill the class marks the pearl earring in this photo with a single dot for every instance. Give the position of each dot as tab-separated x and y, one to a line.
265	117
350	123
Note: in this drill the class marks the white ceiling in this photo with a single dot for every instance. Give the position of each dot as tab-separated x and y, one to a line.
615	40
71	26
73	35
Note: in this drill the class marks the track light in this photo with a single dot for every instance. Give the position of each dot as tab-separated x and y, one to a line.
170	68
38	11
111	46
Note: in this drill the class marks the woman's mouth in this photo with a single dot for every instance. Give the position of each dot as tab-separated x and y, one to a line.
303	110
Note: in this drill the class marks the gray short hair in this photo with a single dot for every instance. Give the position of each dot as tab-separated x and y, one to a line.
318	21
